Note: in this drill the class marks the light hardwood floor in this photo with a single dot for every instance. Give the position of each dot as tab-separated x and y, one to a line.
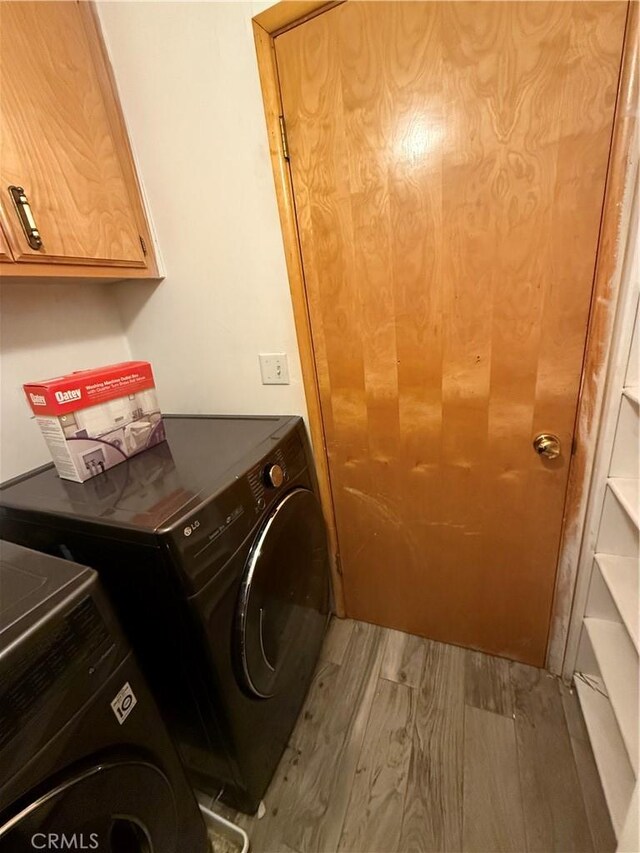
412	746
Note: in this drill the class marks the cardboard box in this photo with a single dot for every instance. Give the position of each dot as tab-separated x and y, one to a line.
95	419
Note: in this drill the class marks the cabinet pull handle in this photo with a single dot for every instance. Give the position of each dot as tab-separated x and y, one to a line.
21	204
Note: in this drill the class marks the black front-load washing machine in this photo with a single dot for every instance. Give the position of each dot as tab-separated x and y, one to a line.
213	549
85	761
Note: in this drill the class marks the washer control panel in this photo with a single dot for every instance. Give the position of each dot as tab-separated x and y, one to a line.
274	475
275	470
204	541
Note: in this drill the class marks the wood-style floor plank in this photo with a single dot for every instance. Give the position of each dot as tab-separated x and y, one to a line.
602	834
267	833
493	817
403	658
374	816
487	683
336	640
432	820
356	778
554	813
308	798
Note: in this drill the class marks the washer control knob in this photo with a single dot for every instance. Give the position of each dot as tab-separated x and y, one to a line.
274	475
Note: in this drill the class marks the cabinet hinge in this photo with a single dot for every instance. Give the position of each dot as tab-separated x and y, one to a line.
283	137
143	244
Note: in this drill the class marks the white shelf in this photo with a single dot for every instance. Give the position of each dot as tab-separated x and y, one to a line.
618	664
625	459
629	838
626	490
603	649
615	771
621	575
617	534
632	377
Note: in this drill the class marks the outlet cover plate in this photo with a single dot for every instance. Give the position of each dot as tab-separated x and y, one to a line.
274	368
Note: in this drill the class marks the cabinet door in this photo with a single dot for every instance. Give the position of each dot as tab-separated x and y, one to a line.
58	140
5	252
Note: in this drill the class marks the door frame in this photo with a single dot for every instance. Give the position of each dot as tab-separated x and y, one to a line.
623	159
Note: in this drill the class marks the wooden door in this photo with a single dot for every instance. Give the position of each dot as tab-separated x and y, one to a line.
448	162
57	140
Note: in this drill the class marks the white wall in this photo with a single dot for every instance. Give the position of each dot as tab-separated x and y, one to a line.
189	88
46	330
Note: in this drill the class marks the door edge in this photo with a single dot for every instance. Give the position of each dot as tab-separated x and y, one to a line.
288	13
616	215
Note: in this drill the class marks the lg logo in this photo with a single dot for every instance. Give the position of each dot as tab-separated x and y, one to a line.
191	528
62	841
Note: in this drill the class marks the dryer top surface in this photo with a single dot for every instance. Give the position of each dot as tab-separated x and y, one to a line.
201	457
30	582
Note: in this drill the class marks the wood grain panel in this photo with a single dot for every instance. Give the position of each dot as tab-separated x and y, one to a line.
5	251
487	684
554	814
336	640
404	657
493	817
448	162
374	815
58	141
449	791
307	801
432	821
602	833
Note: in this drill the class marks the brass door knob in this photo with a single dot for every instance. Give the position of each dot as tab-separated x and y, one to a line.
547	444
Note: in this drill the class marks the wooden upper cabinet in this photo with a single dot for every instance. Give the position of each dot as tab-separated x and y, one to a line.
64	144
5	252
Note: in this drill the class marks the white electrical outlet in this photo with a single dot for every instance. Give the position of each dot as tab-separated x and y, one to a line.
274	368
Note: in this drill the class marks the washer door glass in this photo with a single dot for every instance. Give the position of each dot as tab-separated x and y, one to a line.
284	589
123	807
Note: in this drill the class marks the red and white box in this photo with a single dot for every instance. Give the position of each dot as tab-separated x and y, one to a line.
95	419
